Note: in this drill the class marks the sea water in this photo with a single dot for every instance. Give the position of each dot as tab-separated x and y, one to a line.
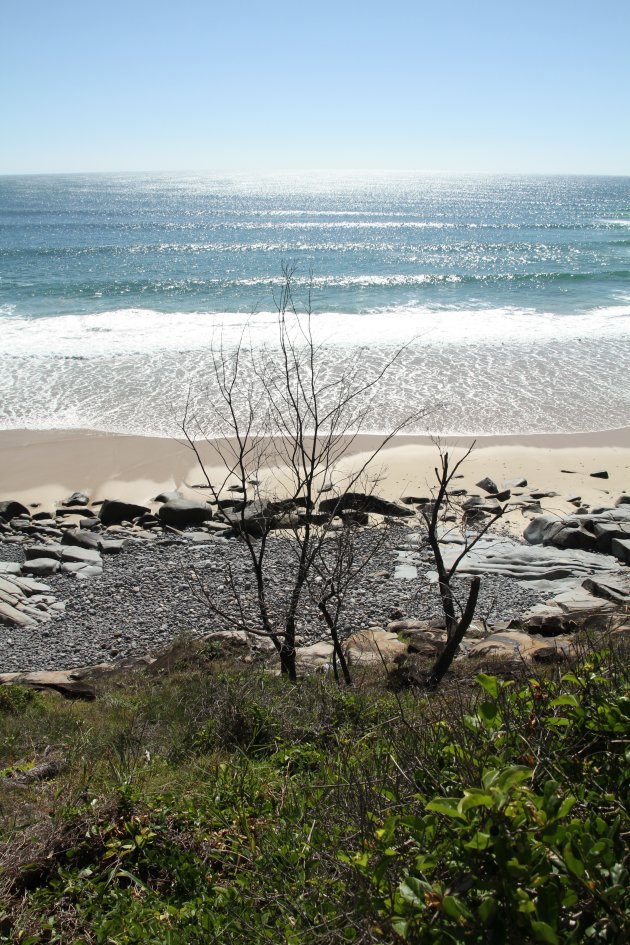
512	294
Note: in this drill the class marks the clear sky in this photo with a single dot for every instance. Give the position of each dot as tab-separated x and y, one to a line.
462	85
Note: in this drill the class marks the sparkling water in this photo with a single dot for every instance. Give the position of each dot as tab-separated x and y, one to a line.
512	292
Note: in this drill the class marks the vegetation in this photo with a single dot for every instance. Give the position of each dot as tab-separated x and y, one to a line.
215	805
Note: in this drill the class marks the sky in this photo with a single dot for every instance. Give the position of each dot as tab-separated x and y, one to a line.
517	86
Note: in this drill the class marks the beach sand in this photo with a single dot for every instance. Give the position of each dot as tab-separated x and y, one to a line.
46	466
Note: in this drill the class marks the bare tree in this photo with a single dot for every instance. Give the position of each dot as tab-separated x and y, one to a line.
457	617
288	413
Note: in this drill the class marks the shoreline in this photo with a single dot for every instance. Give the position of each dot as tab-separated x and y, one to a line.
45	466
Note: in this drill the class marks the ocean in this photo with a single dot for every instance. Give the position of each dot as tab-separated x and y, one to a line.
512	294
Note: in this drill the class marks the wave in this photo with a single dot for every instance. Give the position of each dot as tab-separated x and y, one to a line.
137	330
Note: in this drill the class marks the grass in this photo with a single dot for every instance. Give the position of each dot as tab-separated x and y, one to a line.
209	804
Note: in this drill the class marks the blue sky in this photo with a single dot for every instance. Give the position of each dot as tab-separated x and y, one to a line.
459	86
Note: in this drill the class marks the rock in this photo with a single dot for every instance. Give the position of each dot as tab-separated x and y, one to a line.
75	510
511	644
620	547
10	509
83	555
515	483
601	474
360	502
77	498
539	494
113	512
405	624
315	658
373	647
606	531
67	683
622	500
181	513
415	500
51	550
351	517
488	486
504	495
172	496
11	615
80	538
41	566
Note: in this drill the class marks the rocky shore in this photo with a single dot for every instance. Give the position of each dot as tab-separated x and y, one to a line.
90	583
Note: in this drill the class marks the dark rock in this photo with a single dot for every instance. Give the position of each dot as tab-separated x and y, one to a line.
181	513
488	486
33	552
113	512
80	538
42	517
601	474
359	502
415	500
10	509
622	500
77	498
504	495
352	517
620	547
75	510
606	531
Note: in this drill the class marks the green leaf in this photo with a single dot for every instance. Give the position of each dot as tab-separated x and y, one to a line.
573	864
489	711
446	805
512	776
567	699
489	683
412	890
567	806
487	909
544	933
480	841
475	797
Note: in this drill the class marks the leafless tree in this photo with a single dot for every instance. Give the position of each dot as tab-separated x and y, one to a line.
457	617
287	413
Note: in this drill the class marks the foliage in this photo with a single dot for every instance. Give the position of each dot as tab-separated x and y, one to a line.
216	806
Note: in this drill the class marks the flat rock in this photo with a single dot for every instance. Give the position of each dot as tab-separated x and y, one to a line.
600	474
181	513
77	498
41	566
360	502
511	644
488	485
83	555
11	615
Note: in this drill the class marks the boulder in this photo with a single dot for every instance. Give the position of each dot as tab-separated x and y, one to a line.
10	509
600	474
172	496
84	555
77	498
182	513
620	547
113	512
373	647
41	566
514	644
360	502
488	486
52	550
80	538
622	500
315	658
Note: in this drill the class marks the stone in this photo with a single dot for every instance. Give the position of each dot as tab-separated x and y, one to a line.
41	566
514	644
51	550
600	474
113	512
77	498
10	509
539	494
84	555
622	500
620	548
504	495
373	647
11	615
65	682
172	496
315	658
519	483
75	510
180	513
606	531
360	502
80	538
415	500
488	485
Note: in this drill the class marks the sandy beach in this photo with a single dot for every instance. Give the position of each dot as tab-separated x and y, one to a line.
46	466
